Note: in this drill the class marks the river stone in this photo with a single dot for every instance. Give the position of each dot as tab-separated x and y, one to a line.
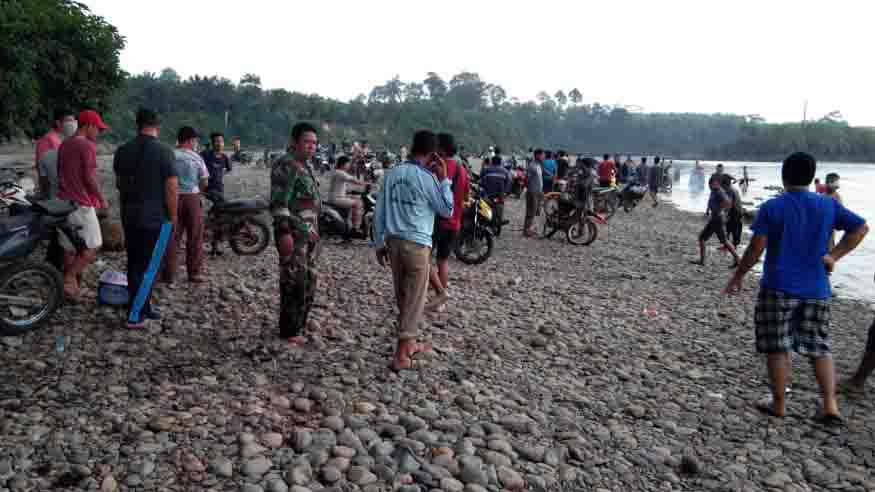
510	479
257	467
452	485
360	475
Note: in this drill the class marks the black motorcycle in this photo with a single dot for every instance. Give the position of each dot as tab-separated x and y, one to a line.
237	220
334	221
31	290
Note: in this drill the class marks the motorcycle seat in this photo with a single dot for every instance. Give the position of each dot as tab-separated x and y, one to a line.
13	222
239	204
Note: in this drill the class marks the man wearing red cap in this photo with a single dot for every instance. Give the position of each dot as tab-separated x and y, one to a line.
77	182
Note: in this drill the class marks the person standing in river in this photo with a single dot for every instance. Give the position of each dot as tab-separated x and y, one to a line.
792	312
295	205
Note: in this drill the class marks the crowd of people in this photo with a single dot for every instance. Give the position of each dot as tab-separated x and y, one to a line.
420	207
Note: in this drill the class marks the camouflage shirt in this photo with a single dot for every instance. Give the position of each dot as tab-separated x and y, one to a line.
290	184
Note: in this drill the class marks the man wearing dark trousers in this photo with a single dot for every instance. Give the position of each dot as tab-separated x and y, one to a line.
147	182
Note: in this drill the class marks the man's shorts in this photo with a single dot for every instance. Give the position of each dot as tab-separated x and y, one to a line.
714	226
444	242
785	323
84	222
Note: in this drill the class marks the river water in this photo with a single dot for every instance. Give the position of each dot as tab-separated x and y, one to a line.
854	274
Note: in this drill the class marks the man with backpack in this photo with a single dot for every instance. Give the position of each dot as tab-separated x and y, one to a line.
446	231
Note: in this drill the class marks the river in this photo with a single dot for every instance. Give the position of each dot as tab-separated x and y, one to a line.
854	274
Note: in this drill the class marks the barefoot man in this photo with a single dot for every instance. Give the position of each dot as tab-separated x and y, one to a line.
295	205
414	192
793	307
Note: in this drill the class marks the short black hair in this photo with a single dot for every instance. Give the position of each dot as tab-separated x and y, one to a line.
342	161
446	143
548	154
147	118
496	160
302	128
798	169
497	150
606	156
424	143
656	160
831	177
644	160
538	151
60	113
186	133
215	135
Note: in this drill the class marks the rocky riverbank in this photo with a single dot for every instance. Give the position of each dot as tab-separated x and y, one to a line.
614	368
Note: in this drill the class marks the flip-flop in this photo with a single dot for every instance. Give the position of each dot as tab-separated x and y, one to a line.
829	420
421	348
766	408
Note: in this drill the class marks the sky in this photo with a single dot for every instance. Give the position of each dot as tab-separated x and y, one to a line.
763	57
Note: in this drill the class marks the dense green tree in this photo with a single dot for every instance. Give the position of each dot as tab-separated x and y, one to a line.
437	88
575	96
561	98
53	53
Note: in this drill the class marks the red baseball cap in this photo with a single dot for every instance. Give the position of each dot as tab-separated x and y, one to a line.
89	117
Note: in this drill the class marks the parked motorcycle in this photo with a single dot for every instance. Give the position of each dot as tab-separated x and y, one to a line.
30	290
519	181
630	195
334	221
605	201
475	242
237	220
560	213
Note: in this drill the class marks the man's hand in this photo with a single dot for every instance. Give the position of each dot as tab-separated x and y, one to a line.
313	235
439	167
382	257
104	203
829	263
734	285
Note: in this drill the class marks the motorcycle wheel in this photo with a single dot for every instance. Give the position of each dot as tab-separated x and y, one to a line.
481	239
251	236
582	232
30	293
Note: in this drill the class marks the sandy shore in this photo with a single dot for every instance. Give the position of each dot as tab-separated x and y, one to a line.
548	375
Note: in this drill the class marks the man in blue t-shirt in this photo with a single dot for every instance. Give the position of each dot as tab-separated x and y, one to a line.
793	307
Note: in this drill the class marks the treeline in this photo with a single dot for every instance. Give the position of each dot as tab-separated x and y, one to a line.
479	113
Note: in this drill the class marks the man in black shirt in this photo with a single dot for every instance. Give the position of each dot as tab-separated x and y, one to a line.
147	184
217	163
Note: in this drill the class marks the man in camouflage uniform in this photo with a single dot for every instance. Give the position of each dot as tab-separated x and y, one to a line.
295	206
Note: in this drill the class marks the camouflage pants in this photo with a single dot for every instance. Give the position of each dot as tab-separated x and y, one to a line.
298	280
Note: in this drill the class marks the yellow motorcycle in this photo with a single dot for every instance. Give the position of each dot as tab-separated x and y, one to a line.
475	242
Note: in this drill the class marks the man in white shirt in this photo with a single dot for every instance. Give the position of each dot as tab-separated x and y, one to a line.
337	196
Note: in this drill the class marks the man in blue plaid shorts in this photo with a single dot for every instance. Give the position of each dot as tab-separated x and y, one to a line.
793	307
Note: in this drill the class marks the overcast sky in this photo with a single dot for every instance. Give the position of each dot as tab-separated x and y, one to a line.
740	56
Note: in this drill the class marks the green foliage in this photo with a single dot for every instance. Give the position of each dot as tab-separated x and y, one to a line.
53	53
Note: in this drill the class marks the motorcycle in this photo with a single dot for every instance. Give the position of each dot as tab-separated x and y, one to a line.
605	201
31	291
238	221
560	213
630	195
333	221
475	238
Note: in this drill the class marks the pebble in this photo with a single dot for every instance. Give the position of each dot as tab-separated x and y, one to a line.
257	467
510	479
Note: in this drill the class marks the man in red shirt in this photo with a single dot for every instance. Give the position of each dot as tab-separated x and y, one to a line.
607	171
446	231
53	138
77	182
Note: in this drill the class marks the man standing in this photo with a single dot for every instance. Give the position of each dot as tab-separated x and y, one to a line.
651	173
446	231
607	171
295	205
217	163
793	307
415	192
77	182
147	182
534	192
192	177
64	126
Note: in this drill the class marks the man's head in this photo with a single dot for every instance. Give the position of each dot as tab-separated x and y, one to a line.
720	168
235	142
91	124
446	145
832	181
496	161
187	138
539	155
61	118
148	122
817	181
304	140
424	143
656	160
497	150
548	154
217	142
343	163
606	157
798	169
643	160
